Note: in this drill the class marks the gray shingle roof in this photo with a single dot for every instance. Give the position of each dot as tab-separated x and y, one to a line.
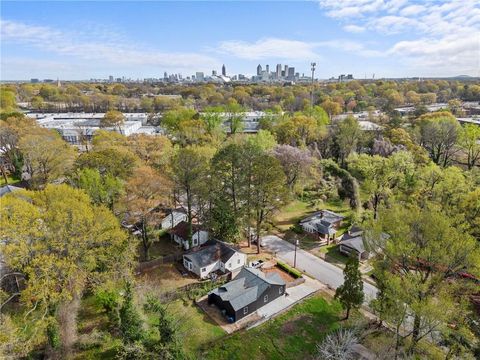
247	286
355	243
211	253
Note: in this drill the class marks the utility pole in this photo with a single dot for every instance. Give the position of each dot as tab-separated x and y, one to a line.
295	257
311	91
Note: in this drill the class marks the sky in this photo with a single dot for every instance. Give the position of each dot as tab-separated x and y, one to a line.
77	40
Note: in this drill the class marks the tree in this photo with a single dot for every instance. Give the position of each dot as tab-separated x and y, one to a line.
154	151
331	107
234	117
61	243
264	140
469	142
103	190
117	162
46	156
338	346
189	175
295	163
418	261
222	222
146	190
130	321
381	175
438	135
213	120
347	137
350	293
268	190
114	119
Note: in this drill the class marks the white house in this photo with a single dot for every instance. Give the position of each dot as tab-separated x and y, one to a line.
179	234
323	223
216	256
173	219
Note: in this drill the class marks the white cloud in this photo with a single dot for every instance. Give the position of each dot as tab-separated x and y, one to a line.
102	46
269	48
354	28
439	35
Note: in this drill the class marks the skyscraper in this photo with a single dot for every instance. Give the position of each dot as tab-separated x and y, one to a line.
279	71
224	70
267	69
259	70
291	73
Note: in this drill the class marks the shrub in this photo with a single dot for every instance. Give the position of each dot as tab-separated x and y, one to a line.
90	341
297	229
294	272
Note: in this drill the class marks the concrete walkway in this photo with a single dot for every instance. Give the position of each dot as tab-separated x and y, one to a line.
283	303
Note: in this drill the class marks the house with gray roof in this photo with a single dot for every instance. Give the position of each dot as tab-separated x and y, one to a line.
324	223
214	256
246	293
352	243
180	234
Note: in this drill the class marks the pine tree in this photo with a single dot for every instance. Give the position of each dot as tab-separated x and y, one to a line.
130	321
350	294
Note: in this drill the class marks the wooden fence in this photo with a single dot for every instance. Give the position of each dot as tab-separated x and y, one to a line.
152	264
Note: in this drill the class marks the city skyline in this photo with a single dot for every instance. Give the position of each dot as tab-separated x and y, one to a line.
79	41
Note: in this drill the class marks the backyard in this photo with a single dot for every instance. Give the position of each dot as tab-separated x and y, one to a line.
292	335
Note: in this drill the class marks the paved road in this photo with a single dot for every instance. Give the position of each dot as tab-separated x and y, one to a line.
311	264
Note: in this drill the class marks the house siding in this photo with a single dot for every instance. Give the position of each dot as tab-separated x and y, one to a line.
272	291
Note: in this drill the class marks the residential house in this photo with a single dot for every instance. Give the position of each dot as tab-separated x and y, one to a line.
352	243
179	234
324	223
173	218
214	256
246	293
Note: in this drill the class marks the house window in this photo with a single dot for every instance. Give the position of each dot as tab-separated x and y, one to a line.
265	298
229	265
280	290
238	261
245	310
204	269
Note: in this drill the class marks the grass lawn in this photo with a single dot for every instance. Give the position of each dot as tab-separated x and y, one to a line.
11	180
164	246
291	213
162	279
333	254
195	327
293	335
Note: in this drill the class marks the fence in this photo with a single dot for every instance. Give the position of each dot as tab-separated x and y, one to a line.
152	264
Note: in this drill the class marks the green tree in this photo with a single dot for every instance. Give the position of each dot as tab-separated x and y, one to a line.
103	190
268	191
114	119
417	260
46	156
350	293
117	162
61	243
469	142
347	135
146	191
263	140
439	135
189	170
130	321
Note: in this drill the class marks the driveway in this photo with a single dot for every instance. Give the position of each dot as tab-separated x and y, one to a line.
311	265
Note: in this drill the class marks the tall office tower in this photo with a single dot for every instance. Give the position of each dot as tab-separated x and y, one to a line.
259	70
291	73
279	71
214	72
267	69
165	75
224	70
110	78
199	76
286	70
